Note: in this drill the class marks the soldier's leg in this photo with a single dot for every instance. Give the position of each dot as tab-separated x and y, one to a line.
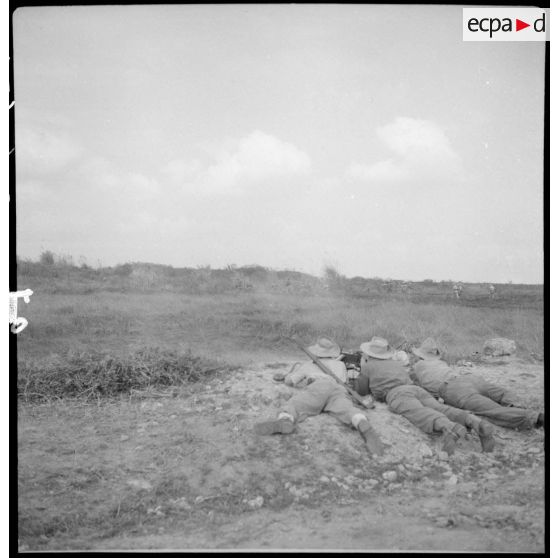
405	401
465	418
310	401
342	407
307	402
464	394
492	391
454	414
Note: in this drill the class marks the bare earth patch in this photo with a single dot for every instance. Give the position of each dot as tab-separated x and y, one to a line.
186	471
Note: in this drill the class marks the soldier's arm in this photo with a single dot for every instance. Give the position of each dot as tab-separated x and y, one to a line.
362	384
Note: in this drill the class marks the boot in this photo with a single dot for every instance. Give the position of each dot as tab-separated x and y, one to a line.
450	437
486	435
276	426
371	439
449	442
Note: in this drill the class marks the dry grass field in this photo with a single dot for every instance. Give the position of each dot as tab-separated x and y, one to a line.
138	388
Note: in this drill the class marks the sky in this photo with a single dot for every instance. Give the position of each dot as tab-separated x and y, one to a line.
370	138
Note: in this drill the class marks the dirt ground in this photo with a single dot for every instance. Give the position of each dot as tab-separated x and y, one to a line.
186	471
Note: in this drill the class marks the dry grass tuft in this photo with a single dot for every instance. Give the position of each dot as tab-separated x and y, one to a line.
98	374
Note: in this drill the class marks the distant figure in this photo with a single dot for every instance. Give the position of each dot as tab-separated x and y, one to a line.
491	291
456	291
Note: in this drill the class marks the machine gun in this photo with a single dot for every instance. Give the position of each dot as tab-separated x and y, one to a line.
351	359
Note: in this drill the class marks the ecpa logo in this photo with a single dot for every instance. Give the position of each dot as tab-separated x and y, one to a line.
505	24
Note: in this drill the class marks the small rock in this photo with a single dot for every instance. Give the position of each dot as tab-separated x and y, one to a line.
443	456
256	503
323	478
155	511
499	346
534	450
123	438
452	481
465	363
426	451
443	521
394	486
390	476
139	483
269	490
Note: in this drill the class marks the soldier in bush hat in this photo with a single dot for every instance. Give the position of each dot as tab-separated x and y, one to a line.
387	379
321	394
470	392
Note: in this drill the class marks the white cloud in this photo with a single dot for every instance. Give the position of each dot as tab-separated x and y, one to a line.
178	170
247	161
40	151
384	171
421	149
410	137
106	179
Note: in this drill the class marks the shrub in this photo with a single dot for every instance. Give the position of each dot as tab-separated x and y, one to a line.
334	280
100	374
47	258
123	270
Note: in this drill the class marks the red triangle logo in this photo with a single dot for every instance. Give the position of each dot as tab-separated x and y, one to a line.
519	25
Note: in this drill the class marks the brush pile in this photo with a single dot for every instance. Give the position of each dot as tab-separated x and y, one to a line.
99	374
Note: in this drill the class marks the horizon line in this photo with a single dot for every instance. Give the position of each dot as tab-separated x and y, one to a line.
68	259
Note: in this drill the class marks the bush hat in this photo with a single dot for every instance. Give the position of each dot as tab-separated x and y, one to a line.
377	347
325	348
427	350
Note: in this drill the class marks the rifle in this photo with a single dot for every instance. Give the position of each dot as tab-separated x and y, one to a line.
356	396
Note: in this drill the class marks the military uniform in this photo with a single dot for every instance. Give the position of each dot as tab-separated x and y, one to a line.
321	394
389	381
473	394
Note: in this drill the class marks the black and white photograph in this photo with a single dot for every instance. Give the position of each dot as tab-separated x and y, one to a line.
279	277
